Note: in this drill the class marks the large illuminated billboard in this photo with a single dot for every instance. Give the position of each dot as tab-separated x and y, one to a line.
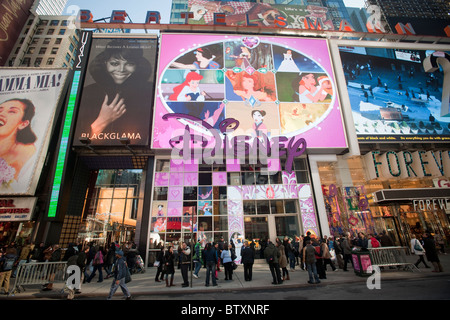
233	13
117	94
247	87
393	98
28	102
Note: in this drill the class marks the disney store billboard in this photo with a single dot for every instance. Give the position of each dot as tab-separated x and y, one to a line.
233	89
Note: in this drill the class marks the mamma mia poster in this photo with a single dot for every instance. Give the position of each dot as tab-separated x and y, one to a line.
28	102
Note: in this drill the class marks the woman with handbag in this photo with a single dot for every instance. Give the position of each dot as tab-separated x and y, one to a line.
417	249
97	263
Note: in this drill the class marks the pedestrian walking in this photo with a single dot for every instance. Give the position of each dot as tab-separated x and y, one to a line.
7	263
184	253
52	255
120	270
272	257
417	249
309	256
109	260
385	240
210	259
248	258
319	259
97	263
226	257
282	261
429	246
169	266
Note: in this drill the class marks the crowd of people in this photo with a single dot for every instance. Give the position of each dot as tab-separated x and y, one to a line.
308	253
90	258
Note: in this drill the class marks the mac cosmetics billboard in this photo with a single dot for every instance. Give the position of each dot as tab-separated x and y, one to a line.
223	90
117	96
28	102
393	98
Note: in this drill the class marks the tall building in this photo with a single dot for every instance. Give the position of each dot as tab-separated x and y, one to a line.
428	17
45	41
49	7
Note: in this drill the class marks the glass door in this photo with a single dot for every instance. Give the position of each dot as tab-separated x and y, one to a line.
257	231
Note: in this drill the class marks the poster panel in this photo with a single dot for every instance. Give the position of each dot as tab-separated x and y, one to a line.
392	98
256	88
260	14
28	102
117	94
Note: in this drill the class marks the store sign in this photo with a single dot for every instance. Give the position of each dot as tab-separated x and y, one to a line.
441	183
432	204
16	209
406	164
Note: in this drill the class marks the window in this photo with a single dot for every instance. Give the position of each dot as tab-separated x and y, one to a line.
37	62
68	57
64	23
54	51
46	41
42	50
54	23
26	62
50	61
62	31
43	22
50	31
31	50
58	40
40	31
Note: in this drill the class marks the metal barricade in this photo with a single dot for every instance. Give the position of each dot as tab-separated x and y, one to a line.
39	273
391	257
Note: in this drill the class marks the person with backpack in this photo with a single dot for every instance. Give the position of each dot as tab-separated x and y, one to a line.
120	271
97	263
7	263
418	250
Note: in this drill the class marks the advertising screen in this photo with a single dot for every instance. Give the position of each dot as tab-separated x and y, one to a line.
117	94
392	97
260	14
28	101
245	87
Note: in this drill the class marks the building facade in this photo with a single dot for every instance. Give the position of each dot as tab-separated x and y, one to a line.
45	41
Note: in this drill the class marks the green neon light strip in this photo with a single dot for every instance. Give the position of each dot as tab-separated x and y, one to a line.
63	147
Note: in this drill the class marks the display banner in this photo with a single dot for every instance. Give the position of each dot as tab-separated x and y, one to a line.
117	94
28	102
393	98
226	90
232	13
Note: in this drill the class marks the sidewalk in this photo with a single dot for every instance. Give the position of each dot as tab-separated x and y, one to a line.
144	283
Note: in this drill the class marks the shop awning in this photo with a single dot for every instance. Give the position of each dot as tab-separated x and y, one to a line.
408	195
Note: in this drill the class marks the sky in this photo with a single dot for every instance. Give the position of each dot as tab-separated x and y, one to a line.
137	9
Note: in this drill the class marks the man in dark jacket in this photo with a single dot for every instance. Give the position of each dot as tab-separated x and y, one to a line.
272	256
120	273
429	246
248	258
210	259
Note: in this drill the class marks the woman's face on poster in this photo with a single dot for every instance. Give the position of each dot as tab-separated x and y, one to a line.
257	117
11	115
309	79
193	84
248	83
120	69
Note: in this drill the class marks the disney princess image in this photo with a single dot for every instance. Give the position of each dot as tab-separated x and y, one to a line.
258	126
308	91
204	60
288	64
189	90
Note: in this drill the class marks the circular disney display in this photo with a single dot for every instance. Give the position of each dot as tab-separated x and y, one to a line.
269	88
